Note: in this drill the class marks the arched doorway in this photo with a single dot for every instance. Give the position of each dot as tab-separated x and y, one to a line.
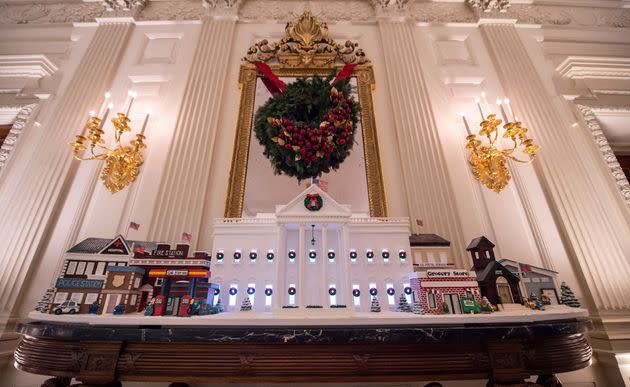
504	291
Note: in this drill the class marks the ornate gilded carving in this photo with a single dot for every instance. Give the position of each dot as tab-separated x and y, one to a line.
306	44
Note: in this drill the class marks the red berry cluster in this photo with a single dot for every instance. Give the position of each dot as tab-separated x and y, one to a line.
309	145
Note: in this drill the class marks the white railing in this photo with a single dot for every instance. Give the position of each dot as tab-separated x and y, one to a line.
400	220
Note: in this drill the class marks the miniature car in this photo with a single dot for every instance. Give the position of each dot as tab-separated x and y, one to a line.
66	307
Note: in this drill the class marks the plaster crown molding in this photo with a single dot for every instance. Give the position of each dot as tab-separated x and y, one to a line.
489	5
329	10
606	150
582	67
26	66
23	116
124	5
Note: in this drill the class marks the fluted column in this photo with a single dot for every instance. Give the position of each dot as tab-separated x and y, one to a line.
325	265
28	202
279	287
426	183
588	226
181	198
301	257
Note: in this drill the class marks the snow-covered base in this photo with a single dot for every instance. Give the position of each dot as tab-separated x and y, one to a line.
309	317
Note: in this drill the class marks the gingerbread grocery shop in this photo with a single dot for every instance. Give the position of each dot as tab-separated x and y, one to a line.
436	287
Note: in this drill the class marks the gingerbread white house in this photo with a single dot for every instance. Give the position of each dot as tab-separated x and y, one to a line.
311	251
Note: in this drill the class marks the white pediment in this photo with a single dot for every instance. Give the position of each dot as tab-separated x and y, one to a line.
329	209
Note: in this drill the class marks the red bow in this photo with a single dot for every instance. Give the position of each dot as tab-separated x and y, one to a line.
344	73
271	80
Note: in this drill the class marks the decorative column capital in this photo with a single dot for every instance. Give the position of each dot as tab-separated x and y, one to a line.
124	5
398	9
222	8
489	5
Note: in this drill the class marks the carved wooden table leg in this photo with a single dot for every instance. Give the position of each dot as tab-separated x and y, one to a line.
506	363
97	363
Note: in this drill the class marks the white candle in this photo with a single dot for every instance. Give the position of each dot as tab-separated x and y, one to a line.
465	123
92	113
505	119
101	111
144	126
477	100
104	118
132	96
506	101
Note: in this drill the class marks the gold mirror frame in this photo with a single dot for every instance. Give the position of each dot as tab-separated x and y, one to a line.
306	59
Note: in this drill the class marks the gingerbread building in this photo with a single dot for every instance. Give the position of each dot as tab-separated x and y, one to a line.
439	286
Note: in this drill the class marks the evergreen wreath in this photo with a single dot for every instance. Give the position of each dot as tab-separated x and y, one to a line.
309	130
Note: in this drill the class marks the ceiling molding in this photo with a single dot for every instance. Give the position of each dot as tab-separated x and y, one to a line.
593	67
360	11
26	66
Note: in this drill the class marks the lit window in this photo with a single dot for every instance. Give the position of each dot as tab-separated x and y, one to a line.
233	296
133	300
291	296
89	268
268	298
253	295
357	300
390	298
81	268
333	297
407	296
431	300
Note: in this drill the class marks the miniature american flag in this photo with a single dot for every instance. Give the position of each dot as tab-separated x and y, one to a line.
139	249
186	236
134	225
419	222
323	184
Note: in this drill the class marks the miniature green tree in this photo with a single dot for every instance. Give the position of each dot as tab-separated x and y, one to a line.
445	309
220	306
567	297
246	305
403	305
44	304
375	307
416	308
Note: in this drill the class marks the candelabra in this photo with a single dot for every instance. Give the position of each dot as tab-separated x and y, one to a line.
122	162
487	156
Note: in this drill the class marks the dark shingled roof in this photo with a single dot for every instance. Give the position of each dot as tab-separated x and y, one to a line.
491	267
427	240
482	240
95	245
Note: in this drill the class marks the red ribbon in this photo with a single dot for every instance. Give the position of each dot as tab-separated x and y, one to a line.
271	80
344	73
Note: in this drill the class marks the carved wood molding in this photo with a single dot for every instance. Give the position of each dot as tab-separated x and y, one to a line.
329	10
502	361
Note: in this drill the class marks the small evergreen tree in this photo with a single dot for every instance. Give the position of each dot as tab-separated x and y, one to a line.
220	306
375	307
246	305
403	305
567	297
416	308
44	304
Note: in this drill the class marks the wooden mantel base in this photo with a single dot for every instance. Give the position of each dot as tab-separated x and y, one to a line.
505	354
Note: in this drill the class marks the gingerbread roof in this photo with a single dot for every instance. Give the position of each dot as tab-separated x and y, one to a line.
422	240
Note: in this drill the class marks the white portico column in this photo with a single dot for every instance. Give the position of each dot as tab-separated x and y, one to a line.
589	227
28	202
182	194
325	265
279	285
301	257
347	298
427	186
